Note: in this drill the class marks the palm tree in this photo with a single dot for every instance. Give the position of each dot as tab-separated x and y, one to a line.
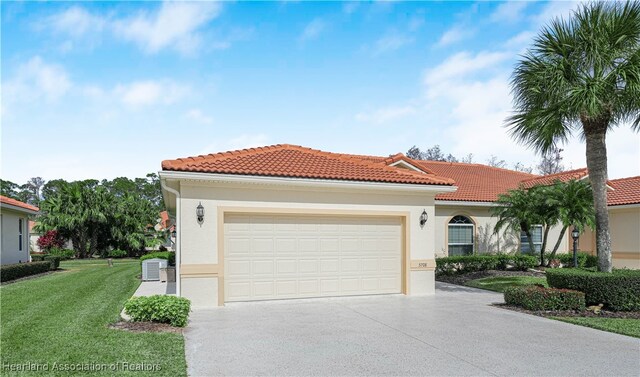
582	75
574	200
515	211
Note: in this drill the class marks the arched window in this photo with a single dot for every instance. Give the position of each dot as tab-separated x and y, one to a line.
461	231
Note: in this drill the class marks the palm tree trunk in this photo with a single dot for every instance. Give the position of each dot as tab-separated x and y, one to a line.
557	245
595	133
545	236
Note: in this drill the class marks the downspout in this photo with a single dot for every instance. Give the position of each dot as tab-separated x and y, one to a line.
178	231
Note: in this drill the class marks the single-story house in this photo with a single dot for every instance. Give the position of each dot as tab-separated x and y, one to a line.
286	221
14	218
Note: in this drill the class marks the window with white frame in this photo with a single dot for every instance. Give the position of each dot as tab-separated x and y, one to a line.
460	236
20	233
536	235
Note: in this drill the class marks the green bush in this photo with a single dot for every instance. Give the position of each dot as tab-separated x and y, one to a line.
54	260
585	260
473	263
116	253
539	298
64	254
16	271
159	308
37	257
619	290
168	255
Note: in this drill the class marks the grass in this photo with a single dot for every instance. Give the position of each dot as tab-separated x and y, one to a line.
62	318
500	283
624	326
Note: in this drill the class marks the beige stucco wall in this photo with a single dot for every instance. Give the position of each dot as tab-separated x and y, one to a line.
624	225
9	237
199	242
485	240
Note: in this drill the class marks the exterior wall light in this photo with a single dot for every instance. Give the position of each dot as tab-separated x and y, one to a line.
423	218
200	212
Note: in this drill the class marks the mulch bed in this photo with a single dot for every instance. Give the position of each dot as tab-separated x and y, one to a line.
572	313
145	327
464	278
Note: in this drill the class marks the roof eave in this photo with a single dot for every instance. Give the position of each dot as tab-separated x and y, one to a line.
19	209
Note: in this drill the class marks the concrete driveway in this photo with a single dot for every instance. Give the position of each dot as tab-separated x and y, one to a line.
455	333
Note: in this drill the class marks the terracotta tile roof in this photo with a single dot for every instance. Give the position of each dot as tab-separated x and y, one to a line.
476	182
625	191
17	203
549	179
284	160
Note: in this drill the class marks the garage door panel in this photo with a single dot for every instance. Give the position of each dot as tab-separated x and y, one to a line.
292	256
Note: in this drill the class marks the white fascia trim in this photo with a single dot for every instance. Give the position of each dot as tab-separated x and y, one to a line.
407	165
464	203
623	206
18	209
306	182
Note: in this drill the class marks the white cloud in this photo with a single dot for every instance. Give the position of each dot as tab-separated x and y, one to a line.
454	35
149	92
175	25
198	116
391	42
350	6
76	21
37	79
553	9
461	64
385	114
313	30
510	11
521	40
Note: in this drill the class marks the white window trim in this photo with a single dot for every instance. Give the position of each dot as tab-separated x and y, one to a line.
472	225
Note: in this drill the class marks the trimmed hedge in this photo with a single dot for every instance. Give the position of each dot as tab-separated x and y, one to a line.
10	272
168	255
473	263
37	257
585	260
539	298
619	290
64	254
54	260
159	308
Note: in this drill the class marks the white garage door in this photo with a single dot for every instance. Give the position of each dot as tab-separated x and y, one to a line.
289	256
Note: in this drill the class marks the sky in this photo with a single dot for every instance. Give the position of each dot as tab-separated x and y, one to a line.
109	89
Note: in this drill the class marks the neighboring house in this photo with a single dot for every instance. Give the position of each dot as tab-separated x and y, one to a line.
286	221
14	218
624	223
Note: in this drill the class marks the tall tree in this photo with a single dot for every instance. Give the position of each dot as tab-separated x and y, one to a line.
34	188
551	162
582	74
9	189
574	200
496	162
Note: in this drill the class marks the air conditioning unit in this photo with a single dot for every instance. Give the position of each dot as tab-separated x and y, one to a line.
151	269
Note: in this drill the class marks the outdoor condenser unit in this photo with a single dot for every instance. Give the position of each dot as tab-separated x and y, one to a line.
151	268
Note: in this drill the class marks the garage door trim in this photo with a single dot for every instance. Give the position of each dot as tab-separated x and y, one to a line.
404	222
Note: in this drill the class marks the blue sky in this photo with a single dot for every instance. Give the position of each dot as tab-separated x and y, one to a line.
100	90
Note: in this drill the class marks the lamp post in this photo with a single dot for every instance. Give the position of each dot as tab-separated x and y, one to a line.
575	233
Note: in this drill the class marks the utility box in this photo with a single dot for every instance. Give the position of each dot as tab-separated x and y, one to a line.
168	274
151	268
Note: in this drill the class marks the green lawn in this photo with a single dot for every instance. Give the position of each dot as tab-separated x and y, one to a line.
63	317
622	326
500	283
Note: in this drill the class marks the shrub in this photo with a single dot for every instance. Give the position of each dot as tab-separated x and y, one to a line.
64	254
37	257
619	290
168	255
16	271
473	263
159	308
116	253
539	298
49	240
585	260
54	260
